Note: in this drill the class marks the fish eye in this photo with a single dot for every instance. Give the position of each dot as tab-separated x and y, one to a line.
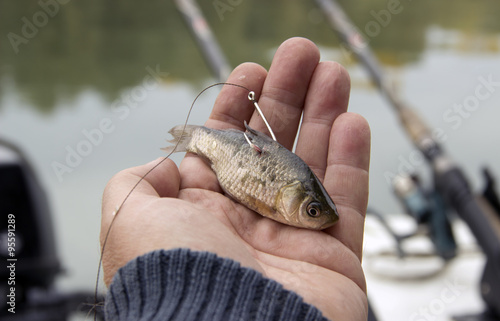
314	209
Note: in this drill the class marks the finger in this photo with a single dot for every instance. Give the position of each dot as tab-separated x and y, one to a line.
161	180
285	89
346	177
327	97
232	106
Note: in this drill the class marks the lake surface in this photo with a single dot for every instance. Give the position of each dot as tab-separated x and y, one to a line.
130	70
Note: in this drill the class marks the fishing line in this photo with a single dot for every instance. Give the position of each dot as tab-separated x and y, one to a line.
251	97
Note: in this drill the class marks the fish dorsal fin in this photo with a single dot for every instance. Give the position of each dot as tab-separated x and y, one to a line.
256	132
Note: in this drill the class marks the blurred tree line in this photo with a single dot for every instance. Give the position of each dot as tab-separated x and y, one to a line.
107	45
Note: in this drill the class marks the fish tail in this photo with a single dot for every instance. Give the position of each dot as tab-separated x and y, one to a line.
182	135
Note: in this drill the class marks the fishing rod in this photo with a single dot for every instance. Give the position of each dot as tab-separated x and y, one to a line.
204	37
450	181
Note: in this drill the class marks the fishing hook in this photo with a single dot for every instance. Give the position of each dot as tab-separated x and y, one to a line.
251	97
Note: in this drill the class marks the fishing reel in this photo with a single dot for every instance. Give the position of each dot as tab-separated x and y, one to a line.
428	209
430	215
422	241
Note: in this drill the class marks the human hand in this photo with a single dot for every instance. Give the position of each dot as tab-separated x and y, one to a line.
185	207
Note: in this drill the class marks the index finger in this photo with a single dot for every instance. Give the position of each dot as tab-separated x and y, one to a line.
232	106
285	89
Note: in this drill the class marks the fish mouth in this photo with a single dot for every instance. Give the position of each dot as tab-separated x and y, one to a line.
333	219
328	224
332	213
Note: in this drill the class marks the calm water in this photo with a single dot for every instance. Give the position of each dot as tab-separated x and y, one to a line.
91	66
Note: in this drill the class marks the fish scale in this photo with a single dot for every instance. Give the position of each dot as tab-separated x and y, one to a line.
242	183
262	175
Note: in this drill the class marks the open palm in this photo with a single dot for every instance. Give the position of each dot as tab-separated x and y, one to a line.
185	207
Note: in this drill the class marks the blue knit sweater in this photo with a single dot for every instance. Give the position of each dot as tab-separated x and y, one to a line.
184	285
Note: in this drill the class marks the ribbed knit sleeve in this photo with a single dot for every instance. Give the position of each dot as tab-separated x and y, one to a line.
184	285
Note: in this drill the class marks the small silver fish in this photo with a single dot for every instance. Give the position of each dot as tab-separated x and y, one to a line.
261	174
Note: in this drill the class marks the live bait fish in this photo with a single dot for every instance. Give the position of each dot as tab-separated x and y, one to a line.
261	174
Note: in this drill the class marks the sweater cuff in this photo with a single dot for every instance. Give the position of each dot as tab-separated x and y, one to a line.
183	285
